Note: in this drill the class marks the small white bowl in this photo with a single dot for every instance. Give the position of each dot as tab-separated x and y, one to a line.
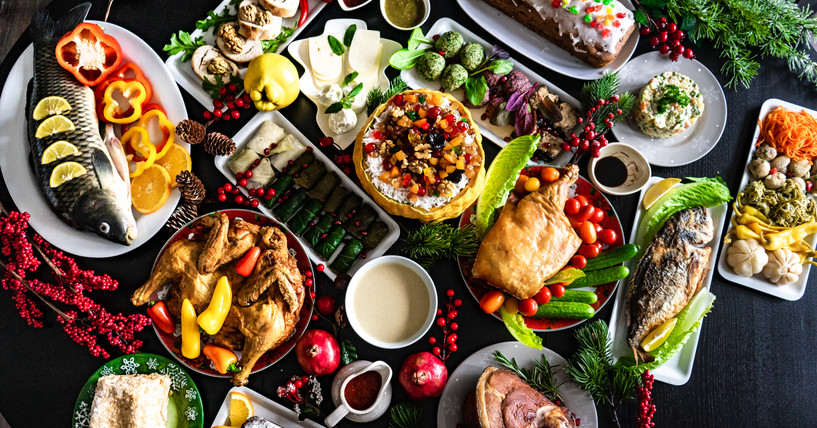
348	8
638	169
355	281
426	5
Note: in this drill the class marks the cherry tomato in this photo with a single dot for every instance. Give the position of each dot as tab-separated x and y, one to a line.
528	307
578	261
589	251
491	301
587	231
582	200
543	296
572	207
532	184
598	216
574	223
557	290
585	213
519	187
598	227
549	175
608	236
512	305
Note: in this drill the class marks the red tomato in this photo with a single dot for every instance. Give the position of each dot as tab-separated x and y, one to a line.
528	307
582	200
491	301
598	216
589	251
574	223
519	187
549	175
543	296
572	207
585	213
598	227
557	290
578	261
608	236
587	231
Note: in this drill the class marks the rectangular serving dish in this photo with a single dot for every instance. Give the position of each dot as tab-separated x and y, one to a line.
678	369
264	407
795	290
246	133
182	71
496	134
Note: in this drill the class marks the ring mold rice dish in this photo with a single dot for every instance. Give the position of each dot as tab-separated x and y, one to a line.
668	105
420	156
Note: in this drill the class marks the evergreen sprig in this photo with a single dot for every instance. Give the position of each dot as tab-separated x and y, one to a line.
540	377
437	241
377	96
602	89
405	415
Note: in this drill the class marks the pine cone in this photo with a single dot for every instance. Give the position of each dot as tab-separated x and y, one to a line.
183	214
218	144
191	187
190	131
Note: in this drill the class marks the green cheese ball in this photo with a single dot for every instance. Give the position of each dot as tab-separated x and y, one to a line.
430	65
472	55
449	44
453	77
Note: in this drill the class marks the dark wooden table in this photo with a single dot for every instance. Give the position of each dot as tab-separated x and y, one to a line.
756	363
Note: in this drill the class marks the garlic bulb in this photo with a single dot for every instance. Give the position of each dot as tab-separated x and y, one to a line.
746	257
783	268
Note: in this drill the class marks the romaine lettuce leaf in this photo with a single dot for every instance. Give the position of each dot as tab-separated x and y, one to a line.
516	326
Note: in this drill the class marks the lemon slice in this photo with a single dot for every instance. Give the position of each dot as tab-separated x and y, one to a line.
656	190
240	409
64	172
57	151
50	106
54	125
658	336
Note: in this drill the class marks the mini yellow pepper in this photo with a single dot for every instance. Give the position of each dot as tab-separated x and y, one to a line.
191	338
213	317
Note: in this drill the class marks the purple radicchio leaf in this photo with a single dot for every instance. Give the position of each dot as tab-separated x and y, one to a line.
516	101
498	52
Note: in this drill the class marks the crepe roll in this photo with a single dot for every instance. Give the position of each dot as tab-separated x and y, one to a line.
268	133
262	174
242	160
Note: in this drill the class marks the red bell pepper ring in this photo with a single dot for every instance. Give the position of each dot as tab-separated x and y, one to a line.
247	263
304	12
130	70
161	318
89	54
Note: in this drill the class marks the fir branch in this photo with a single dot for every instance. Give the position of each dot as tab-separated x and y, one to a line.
272	45
214	20
540	377
602	89
377	96
439	241
406	415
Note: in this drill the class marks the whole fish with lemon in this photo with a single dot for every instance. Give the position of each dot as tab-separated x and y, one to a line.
81	177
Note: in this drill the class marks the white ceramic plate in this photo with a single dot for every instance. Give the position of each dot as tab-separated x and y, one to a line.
183	71
246	133
264	407
795	290
678	369
690	145
20	179
525	41
465	377
497	134
299	50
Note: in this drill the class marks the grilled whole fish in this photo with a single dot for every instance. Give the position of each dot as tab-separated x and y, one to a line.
98	201
668	275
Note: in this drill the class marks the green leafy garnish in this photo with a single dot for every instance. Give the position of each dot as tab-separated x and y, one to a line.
516	326
540	377
378	96
348	352
407	414
350	77
349	35
212	87
272	45
500	179
475	89
602	89
183	43
214	20
565	275
417	38
672	95
438	241
336	45
405	58
498	66
346	101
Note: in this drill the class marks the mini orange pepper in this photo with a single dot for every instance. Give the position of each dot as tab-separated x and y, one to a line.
135	93
224	359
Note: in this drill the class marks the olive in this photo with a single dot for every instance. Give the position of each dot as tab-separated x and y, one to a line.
455	176
435	140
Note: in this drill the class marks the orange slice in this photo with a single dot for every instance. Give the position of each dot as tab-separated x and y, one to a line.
150	190
175	161
240	409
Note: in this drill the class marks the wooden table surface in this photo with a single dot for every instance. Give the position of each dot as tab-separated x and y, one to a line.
756	363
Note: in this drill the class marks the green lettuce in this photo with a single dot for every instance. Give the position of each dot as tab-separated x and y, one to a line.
516	326
707	192
565	275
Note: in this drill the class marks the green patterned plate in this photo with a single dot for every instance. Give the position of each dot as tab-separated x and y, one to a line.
184	410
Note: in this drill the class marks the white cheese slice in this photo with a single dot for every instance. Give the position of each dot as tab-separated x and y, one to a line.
362	53
325	64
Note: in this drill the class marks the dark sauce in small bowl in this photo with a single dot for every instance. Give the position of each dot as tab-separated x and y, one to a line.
610	171
361	392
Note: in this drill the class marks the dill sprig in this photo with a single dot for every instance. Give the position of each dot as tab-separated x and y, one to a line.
540	377
405	415
602	89
433	242
592	368
377	96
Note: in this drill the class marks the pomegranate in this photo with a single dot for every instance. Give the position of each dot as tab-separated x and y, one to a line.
318	352
423	376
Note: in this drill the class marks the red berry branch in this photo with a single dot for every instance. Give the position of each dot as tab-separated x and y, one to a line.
668	38
311	397
591	139
448	345
86	321
229	97
646	408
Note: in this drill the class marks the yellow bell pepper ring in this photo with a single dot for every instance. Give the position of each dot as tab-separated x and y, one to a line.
167	127
272	82
139	139
191	338
133	91
213	317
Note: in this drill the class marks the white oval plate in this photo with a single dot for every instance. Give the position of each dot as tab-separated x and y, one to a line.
690	145
465	377
525	41
300	52
20	179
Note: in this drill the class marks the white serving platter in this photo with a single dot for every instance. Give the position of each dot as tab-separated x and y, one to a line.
264	407
678	369
525	41
246	133
795	290
496	134
183	73
299	50
20	179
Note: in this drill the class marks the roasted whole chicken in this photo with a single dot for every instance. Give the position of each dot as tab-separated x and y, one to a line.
531	240
266	305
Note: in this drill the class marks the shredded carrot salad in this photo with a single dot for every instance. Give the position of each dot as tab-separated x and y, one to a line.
790	133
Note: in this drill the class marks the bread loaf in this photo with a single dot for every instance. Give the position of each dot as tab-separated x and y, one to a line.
594	31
